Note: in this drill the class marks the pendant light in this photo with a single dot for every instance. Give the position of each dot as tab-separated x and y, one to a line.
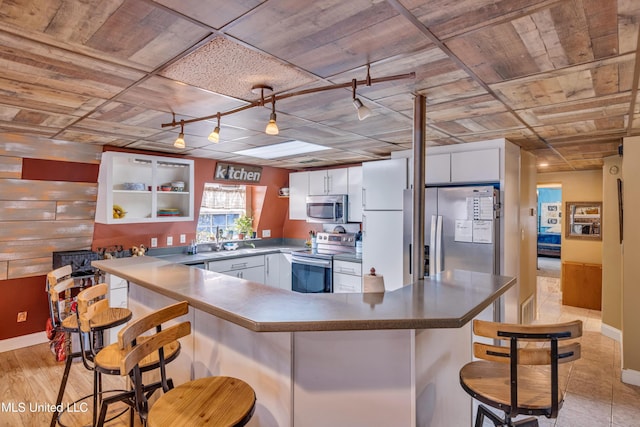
214	136
179	143
363	110
272	127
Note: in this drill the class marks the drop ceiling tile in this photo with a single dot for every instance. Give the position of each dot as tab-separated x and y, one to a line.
330	37
216	14
227	68
159	93
95	137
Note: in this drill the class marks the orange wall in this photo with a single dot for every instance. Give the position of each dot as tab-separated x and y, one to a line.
270	212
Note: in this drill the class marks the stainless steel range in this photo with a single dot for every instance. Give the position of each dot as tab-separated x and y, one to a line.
312	269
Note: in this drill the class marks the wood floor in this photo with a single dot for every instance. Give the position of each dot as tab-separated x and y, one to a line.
29	386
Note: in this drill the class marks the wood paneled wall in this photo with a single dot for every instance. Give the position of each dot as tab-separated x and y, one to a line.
47	202
48	193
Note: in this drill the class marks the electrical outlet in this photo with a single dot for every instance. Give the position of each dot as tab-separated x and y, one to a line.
266	233
183	238
22	316
169	240
154	242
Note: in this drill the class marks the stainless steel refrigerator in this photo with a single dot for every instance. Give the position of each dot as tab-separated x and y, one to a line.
462	229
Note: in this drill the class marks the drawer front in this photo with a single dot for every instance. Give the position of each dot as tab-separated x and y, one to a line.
237	263
346	283
346	267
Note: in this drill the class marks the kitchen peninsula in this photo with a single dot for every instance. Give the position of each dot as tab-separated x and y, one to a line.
387	359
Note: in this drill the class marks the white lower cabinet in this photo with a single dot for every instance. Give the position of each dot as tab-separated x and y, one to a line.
118	295
248	268
277	270
347	277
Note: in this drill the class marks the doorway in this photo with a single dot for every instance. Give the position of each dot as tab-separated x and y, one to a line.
549	230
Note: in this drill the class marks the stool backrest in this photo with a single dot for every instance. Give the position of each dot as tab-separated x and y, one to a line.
137	345
529	333
55	285
515	354
128	336
154	343
58	281
91	301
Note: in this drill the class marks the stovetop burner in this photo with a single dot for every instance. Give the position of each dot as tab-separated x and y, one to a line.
314	253
330	244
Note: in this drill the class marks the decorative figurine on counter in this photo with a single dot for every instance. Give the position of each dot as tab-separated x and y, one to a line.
138	251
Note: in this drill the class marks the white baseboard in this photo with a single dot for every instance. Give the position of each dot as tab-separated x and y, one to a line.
23	341
611	332
630	376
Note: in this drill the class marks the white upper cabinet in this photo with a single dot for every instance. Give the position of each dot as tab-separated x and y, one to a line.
354	195
298	192
328	181
438	168
383	183
463	167
145	188
476	166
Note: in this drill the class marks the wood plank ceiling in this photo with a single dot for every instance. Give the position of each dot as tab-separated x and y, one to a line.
557	77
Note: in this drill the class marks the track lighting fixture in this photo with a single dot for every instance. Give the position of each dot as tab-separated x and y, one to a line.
272	127
363	110
180	140
214	136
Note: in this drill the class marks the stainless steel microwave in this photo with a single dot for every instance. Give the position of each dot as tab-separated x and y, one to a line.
327	209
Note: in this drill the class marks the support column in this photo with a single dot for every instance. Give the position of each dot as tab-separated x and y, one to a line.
419	172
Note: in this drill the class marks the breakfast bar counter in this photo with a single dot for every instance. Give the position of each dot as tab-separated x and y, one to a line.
388	359
449	300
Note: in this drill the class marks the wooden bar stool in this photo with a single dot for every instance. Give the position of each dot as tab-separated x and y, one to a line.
93	316
214	401
519	379
60	282
109	360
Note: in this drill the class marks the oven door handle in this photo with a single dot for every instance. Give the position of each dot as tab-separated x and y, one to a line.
307	261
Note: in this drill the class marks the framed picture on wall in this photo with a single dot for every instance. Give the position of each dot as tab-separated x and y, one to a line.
550	214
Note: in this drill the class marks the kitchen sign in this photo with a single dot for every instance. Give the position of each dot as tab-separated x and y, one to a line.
237	173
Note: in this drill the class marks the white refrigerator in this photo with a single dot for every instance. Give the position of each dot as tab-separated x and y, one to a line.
383	184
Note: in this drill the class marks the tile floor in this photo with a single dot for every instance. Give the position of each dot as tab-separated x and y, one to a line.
595	395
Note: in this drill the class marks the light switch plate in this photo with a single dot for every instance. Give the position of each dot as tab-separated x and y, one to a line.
266	233
154	242
169	240
183	238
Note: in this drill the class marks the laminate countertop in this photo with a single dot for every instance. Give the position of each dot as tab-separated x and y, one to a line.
447	300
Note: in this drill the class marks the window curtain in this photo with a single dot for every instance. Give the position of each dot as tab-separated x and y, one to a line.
224	197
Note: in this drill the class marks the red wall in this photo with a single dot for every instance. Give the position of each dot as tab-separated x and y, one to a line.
270	212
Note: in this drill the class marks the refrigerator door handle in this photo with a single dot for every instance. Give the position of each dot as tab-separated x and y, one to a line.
432	247
438	243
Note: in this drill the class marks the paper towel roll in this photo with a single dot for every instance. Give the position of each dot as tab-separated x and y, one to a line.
373	282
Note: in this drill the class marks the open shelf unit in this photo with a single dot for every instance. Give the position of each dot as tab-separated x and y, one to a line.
119	172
